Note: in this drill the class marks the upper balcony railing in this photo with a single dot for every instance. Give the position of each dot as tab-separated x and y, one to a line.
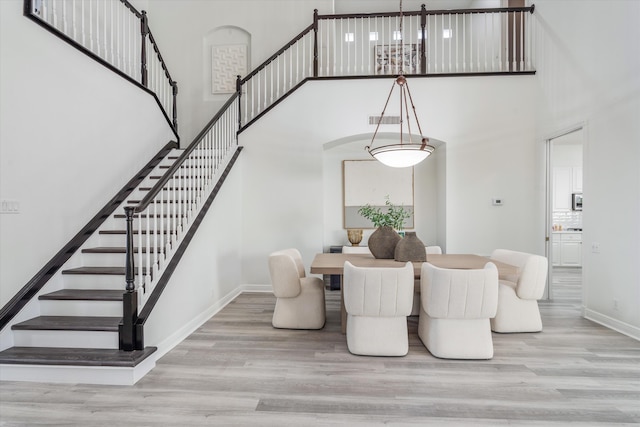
115	34
432	42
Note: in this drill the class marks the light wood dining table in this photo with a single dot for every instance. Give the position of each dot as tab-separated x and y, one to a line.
333	264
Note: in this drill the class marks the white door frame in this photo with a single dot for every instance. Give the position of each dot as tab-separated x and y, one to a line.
549	199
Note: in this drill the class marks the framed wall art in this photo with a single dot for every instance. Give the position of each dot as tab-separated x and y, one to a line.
390	58
370	182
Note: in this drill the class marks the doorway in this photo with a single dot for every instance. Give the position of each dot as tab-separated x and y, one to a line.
564	215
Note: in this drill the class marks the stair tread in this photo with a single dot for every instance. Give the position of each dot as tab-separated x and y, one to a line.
95	270
84	295
74	356
69	323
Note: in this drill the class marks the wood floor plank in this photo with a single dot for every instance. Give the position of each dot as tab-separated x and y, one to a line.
237	370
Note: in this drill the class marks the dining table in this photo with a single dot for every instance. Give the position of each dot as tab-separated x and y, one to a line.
333	264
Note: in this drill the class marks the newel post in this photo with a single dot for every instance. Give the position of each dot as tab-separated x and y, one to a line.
423	47
315	42
127	328
144	30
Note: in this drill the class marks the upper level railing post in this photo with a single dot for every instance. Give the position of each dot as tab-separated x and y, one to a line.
144	31
423	44
239	91
315	42
174	86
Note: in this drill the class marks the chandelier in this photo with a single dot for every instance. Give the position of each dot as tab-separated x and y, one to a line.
402	154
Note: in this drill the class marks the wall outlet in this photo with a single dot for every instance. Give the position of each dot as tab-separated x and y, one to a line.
497	202
9	206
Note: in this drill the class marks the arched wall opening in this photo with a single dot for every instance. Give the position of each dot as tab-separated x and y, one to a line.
429	189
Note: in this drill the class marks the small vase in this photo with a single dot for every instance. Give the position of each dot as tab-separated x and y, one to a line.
383	241
410	248
355	236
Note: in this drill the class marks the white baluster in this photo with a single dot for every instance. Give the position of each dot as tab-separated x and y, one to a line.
514	63
521	41
147	249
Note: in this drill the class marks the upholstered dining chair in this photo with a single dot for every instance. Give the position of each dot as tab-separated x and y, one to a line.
299	299
455	310
378	301
518	295
415	310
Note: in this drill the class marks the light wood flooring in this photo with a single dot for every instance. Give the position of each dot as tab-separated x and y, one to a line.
237	370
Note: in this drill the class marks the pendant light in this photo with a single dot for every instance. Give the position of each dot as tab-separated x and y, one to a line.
402	154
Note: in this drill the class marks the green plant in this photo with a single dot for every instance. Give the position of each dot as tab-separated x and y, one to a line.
394	217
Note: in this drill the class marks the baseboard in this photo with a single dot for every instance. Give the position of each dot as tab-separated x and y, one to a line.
177	337
611	323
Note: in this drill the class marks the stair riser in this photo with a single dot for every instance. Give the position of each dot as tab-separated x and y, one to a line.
80	308
106	375
80	339
94	281
103	259
119	240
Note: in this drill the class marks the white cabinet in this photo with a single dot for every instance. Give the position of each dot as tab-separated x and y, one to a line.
567	249
576	179
562	177
566	180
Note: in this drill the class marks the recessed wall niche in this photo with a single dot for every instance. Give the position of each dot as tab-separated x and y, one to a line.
226	52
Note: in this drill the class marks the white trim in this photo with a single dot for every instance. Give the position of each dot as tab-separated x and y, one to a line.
611	323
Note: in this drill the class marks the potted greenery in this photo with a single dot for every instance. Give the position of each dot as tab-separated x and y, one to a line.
383	241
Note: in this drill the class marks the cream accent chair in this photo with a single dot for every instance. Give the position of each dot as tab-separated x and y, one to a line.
518	295
356	250
378	301
415	310
300	299
455	311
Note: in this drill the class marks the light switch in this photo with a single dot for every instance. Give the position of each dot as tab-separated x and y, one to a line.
496	202
9	206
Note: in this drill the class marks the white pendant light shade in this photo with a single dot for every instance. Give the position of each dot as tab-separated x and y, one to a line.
401	155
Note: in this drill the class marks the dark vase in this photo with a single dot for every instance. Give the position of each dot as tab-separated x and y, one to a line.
383	241
410	248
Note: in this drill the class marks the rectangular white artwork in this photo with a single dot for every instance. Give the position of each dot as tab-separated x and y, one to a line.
370	182
227	62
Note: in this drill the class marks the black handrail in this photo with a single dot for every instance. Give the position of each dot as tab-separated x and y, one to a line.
429	12
157	188
37	282
278	53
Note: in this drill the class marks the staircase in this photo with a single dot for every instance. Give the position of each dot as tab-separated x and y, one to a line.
69	333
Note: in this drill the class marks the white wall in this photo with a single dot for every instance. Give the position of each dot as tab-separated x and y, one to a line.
487	124
183	49
72	134
208	275
589	73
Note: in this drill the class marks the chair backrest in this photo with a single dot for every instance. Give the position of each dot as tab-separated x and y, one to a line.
436	250
381	292
286	270
532	272
459	294
355	250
